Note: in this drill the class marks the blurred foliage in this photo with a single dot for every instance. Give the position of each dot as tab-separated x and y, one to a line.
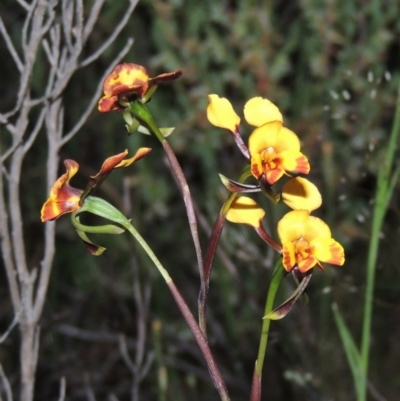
332	68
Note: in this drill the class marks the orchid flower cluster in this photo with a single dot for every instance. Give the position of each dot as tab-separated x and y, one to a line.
273	153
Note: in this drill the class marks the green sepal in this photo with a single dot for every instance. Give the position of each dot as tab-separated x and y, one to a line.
132	123
93	248
140	111
282	310
104	229
149	94
234	186
166	131
102	208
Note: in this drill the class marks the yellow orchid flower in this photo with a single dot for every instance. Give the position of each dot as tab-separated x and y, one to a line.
307	241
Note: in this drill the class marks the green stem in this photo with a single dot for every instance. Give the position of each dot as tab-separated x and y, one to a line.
381	205
187	314
277	275
142	113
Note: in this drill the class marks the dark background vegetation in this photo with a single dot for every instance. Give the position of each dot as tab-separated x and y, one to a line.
332	67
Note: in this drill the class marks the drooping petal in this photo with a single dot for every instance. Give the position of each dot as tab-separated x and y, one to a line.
328	250
282	310
245	210
259	111
294	161
140	153
299	193
109	165
166	77
109	103
63	198
235	186
93	248
220	113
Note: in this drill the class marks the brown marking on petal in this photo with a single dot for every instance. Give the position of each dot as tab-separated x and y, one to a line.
255	170
127	78
166	77
63	198
287	260
302	165
109	165
307	263
137	88
94	249
142	152
273	176
337	255
108	103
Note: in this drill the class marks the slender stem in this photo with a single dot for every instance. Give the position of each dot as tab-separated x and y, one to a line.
142	113
210	255
187	314
277	275
381	204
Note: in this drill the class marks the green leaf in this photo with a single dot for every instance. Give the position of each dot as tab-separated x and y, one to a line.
352	353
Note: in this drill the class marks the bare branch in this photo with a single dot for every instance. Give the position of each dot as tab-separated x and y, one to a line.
63	386
6	384
93	17
10	46
96	94
112	37
23	4
33	135
123	349
67	17
12	325
93	336
79	28
89	391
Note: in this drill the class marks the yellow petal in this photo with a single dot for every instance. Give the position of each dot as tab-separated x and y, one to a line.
220	113
287	140
294	162
264	137
316	228
328	250
288	256
299	193
259	111
292	225
245	210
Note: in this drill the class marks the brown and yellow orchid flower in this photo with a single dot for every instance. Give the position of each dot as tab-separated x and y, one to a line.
66	199
130	81
307	241
273	149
